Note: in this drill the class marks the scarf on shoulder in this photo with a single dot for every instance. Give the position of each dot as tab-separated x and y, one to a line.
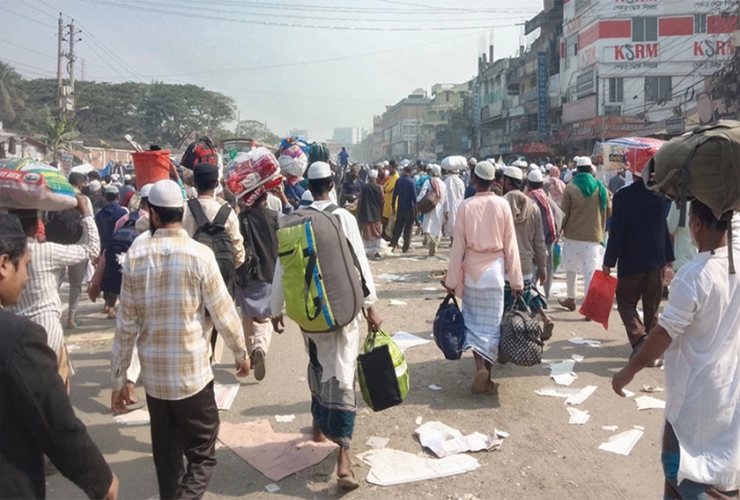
588	184
539	196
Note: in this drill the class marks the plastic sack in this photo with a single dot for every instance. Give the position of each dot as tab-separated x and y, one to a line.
629	152
454	163
557	257
600	298
251	170
449	329
383	372
38	188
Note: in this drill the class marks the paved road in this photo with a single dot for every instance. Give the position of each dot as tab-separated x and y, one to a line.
544	457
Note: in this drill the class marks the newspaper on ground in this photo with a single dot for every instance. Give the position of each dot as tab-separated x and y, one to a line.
622	443
445	441
389	467
136	417
572	396
577	417
405	340
649	403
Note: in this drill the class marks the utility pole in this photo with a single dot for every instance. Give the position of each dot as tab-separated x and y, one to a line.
60	55
71	57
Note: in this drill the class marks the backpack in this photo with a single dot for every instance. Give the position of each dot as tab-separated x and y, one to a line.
201	151
64	226
430	199
323	292
118	243
449	329
213	235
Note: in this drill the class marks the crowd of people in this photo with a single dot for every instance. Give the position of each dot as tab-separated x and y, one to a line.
185	269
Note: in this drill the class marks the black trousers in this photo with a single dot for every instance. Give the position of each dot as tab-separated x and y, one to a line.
404	224
630	290
188	427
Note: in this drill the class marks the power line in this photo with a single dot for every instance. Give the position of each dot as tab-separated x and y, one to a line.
202	15
28	18
110	53
27	49
37	9
105	60
10	61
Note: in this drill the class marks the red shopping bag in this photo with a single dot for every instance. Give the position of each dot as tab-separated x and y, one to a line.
599	299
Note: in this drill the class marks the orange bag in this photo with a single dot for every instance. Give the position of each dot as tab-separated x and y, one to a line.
151	166
600	298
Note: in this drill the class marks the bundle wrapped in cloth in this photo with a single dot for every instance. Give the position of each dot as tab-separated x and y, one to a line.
250	174
293	162
27	184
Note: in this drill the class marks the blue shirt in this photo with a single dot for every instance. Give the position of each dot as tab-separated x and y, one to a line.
343	157
405	192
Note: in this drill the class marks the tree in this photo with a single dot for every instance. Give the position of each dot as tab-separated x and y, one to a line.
59	134
10	92
259	132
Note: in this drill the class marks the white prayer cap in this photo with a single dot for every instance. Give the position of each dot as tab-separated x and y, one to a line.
514	173
95	186
386	163
111	189
472	162
548	167
435	169
575	159
319	170
533	166
166	194
583	161
127	177
485	170
535	176
372	173
114	177
307	196
144	193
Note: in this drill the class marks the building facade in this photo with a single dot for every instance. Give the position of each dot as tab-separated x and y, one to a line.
402	126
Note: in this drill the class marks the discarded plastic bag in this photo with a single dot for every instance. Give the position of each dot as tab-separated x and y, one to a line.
599	299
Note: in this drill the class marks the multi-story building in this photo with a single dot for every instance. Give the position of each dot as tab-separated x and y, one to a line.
628	63
498	103
402	125
445	130
346	136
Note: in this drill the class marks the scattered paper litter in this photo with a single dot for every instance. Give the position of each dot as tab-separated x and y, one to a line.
627	394
572	396
638	427
577	417
582	341
418	420
225	395
622	443
389	467
275	455
650	388
391	277
406	340
284	418
649	403
431	289
73	347
272	488
577	357
377	443
445	441
410	258
562	372
435	387
610	428
136	417
394	302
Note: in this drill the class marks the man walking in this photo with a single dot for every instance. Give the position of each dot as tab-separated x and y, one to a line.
586	205
404	208
552	218
169	280
455	196
389	205
433	221
699	332
640	244
369	211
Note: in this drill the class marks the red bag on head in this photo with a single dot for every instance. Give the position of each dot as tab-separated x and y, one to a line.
600	298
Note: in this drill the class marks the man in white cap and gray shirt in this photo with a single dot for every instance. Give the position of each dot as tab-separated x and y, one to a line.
455	195
586	205
169	280
484	252
432	221
332	356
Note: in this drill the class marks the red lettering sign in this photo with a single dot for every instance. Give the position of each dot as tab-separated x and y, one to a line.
635	51
709	48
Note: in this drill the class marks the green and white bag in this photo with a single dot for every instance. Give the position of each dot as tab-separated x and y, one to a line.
383	372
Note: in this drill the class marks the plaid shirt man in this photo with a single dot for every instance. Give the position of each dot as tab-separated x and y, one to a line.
168	281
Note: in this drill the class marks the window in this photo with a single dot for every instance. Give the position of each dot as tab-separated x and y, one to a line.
658	88
700	23
616	89
645	29
571	48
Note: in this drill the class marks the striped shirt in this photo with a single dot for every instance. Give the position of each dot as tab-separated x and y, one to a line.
169	280
40	300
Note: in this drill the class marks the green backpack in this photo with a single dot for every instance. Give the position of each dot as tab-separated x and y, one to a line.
322	278
383	372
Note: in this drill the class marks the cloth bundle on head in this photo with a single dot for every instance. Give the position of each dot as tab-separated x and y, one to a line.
485	170
317	152
250	171
454	163
166	194
293	162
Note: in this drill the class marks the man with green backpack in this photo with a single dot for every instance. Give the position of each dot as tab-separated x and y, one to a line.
324	280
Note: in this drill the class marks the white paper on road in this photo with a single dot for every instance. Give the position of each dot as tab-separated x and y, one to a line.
136	417
435	387
578	358
394	302
582	341
391	277
377	443
577	417
650	388
405	340
445	441
272	488
389	467
610	428
627	394
622	443
431	289
285	419
562	371
225	395
649	403
572	396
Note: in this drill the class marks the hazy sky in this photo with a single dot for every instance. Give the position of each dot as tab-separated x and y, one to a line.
326	78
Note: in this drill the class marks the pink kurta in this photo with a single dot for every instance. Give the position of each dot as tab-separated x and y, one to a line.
484	232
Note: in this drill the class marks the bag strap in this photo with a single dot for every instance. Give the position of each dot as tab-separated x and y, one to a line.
318	302
450	296
248	242
198	213
222	216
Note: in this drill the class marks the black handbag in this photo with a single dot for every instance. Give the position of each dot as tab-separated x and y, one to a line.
449	329
521	336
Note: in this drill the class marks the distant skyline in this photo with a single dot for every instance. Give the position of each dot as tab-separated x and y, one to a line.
314	78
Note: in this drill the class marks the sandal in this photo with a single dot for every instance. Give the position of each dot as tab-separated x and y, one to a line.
568	304
348	483
547	330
